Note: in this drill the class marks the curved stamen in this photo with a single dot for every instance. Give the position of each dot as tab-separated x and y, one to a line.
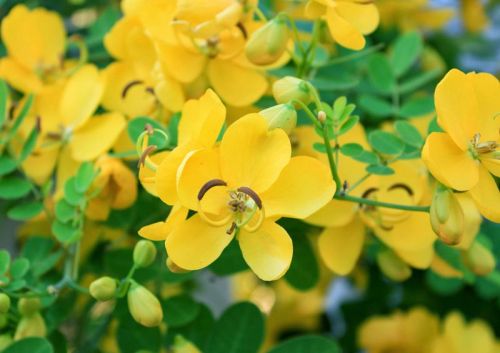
252	194
253	228
211	221
369	192
208	185
401	186
129	85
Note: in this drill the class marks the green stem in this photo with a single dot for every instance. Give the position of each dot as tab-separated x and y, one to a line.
355	56
381	204
357	183
308	112
331	161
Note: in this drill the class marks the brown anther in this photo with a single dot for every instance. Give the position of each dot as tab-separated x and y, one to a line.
129	85
231	229
242	29
147	151
253	195
149	128
401	186
151	91
54	135
208	185
368	192
38	123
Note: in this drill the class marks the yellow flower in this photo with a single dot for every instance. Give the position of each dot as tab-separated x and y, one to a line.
240	189
413	14
463	156
117	188
474	15
460	337
348	21
35	41
411	332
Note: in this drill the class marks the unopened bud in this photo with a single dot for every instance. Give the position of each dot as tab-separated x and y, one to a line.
291	88
281	116
4	303
173	267
268	43
103	289
321	116
4	320
144	253
447	218
31	326
479	259
144	306
392	266
181	345
29	306
5	341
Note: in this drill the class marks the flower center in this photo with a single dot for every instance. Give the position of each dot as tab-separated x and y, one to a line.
244	204
480	148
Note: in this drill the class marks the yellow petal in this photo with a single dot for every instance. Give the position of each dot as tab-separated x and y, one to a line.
268	251
297	194
487	196
414	233
180	63
236	85
40	164
161	230
251	155
124	185
420	258
194	244
196	170
166	174
340	247
472	219
487	90
50	117
170	94
96	136
364	17
199	11
137	101
81	96
344	32
19	77
335	213
448	163
202	120
457	107
147	176
66	168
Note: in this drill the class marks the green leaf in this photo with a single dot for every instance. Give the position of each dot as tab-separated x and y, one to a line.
16	285
376	106
379	169
30	345
303	273
180	310
65	232
25	211
231	261
4	97
408	133
380	73
348	125
7	165
103	25
443	285
320	147
136	127
173	128
39	251
199	330
405	52
4	261
20	118
239	330
19	267
14	188
417	107
133	337
30	143
415	82
386	143
64	211
84	177
71	193
307	343
351	149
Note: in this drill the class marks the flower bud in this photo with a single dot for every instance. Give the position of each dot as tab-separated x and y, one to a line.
103	289
4	320
392	266
267	44
181	345
173	267
479	259
144	306
144	253
4	303
289	88
5	341
281	116
29	306
31	326
447	218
